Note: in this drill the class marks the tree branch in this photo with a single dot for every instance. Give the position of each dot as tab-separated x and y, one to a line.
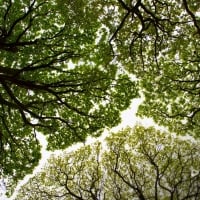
192	16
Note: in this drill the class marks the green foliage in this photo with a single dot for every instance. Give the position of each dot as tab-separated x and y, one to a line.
139	163
159	42
61	71
55	78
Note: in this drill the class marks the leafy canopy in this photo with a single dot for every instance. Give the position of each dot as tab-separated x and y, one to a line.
159	42
55	78
139	163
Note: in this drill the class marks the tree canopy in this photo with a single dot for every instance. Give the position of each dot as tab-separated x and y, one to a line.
40	91
159	42
138	163
63	64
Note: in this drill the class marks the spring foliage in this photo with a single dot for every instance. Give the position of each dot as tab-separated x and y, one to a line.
138	163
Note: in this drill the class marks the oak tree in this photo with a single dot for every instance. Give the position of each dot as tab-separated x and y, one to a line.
138	163
159	42
56	77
